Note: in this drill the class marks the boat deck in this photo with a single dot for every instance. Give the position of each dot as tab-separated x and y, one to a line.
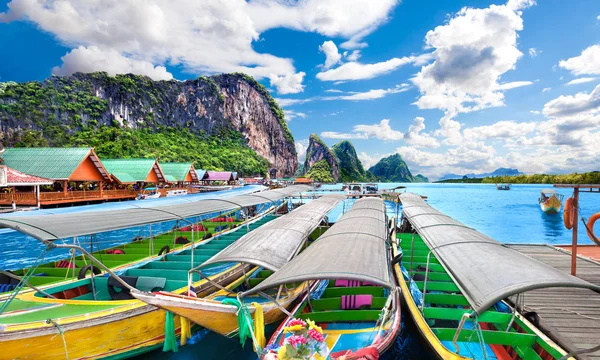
570	316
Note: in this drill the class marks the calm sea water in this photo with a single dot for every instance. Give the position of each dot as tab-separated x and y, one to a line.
508	216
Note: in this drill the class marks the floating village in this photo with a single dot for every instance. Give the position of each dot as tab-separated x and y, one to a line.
269	262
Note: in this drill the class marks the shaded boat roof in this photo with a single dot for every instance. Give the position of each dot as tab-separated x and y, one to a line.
354	248
274	244
549	191
67	225
485	270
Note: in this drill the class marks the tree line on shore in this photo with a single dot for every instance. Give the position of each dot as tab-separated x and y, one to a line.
574	178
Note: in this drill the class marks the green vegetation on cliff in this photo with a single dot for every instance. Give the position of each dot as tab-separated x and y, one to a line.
420	179
394	169
224	152
350	167
574	178
320	172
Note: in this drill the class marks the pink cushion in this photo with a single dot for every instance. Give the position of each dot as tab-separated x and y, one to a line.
351	283
350	302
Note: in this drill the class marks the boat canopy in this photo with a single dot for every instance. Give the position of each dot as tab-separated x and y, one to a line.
354	248
549	191
485	270
67	225
275	243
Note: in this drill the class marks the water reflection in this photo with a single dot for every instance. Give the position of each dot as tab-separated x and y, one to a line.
553	225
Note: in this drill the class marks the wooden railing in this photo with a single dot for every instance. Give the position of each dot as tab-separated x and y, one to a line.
27	198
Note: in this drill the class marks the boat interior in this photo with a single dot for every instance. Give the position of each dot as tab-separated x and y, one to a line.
495	334
169	273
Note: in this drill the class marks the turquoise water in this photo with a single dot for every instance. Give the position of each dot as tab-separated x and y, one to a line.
508	216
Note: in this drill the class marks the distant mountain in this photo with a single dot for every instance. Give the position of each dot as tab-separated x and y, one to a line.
394	169
497	172
350	167
420	179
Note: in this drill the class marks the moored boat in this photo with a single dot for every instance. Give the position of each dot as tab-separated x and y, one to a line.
502	186
550	201
264	251
354	311
97	317
462	289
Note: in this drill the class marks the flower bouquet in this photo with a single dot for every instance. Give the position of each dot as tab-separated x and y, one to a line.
305	341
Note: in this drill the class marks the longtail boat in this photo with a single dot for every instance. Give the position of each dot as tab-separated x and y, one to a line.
462	289
97	317
354	311
143	246
550	201
265	250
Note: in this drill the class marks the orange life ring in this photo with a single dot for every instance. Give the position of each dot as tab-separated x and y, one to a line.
590	225
568	214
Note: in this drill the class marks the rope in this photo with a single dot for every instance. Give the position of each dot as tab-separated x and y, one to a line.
259	328
62	334
23	281
244	320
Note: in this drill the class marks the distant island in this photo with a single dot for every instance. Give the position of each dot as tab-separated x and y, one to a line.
497	172
341	164
574	178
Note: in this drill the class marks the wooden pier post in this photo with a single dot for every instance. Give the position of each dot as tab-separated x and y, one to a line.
575	222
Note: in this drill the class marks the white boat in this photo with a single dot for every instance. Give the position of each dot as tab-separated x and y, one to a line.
358	190
177	192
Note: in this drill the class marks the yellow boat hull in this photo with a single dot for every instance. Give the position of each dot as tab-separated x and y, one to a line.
551	205
128	335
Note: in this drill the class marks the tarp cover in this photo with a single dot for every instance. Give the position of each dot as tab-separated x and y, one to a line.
354	248
485	270
60	226
275	243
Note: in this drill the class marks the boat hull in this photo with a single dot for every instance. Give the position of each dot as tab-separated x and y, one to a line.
214	315
551	206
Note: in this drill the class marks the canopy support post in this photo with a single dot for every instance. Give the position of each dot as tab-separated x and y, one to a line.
575	226
193	247
460	326
425	282
412	254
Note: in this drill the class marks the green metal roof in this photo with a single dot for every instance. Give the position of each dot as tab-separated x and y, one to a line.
129	170
50	163
175	171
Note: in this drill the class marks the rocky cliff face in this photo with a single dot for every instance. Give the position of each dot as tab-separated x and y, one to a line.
216	106
350	167
317	150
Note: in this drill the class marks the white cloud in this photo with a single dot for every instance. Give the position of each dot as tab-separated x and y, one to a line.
288	83
337	135
355	96
567	105
92	58
351	19
513	85
333	91
535	112
598	18
471	52
586	63
290	102
202	37
332	56
381	131
371	94
301	147
415	137
581	81
546	89
533	52
500	130
353	56
358	71
290	115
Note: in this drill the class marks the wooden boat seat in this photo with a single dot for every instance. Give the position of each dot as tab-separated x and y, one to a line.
335	303
342	316
361	290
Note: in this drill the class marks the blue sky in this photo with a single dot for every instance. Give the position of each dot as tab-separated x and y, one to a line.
453	86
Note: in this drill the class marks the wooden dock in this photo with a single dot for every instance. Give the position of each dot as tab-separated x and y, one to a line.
570	316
